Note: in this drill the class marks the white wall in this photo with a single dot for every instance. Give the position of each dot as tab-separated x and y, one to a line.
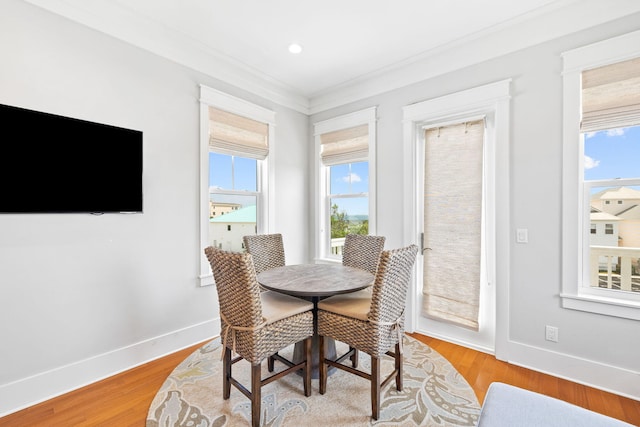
81	296
593	349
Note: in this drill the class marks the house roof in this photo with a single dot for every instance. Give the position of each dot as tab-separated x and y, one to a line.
246	214
632	213
603	216
620	193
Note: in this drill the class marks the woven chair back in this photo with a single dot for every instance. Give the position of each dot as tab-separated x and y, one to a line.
267	251
362	252
238	289
391	284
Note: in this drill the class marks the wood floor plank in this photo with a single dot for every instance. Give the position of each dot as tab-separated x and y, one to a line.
124	399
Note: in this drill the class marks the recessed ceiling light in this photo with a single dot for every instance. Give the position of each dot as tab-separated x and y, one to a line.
295	48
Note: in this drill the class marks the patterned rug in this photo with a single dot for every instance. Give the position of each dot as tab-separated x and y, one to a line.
434	394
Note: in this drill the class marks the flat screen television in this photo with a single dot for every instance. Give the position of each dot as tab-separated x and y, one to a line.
55	164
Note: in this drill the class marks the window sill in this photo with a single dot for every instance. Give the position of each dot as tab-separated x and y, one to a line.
600	305
206	280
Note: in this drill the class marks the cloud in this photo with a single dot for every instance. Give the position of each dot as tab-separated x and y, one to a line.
609	132
352	177
590	163
616	132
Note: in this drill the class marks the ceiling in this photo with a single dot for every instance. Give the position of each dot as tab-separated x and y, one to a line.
345	42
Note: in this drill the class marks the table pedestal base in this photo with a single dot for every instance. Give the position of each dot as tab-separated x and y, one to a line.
298	355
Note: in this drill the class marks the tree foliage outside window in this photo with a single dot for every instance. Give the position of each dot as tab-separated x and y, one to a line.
341	225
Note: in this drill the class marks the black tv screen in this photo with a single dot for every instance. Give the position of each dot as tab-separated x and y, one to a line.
55	164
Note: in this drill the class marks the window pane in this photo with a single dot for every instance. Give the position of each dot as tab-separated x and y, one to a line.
612	153
220	171
614	247
349	178
232	172
349	216
245	174
230	218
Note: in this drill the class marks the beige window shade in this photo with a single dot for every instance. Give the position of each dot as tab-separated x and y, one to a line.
233	134
345	145
452	222
611	96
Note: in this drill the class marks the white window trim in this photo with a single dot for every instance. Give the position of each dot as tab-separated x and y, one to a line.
368	117
575	233
211	97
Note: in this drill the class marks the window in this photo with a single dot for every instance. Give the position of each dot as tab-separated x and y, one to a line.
345	155
601	178
593	229
236	137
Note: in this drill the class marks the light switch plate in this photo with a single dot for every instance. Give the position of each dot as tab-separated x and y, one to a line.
522	235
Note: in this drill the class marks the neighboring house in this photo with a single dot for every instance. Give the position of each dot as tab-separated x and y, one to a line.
217	209
629	227
615	200
226	231
615	217
604	232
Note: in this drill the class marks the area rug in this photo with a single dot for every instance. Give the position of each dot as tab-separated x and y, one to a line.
434	394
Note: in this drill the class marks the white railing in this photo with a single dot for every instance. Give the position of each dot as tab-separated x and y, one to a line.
606	259
337	245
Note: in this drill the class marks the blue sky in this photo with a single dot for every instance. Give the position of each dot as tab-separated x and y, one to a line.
349	179
612	154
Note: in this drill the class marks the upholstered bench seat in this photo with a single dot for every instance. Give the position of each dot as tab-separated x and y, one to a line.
509	406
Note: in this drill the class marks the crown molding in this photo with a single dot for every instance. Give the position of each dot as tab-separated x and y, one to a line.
558	19
124	24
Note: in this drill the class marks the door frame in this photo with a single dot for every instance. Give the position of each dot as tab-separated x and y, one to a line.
492	99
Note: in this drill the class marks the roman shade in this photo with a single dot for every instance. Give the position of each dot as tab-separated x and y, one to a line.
232	134
453	186
345	145
611	96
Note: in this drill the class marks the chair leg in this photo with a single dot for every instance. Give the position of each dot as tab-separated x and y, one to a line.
399	368
354	357
321	365
226	368
375	387
256	395
306	371
270	363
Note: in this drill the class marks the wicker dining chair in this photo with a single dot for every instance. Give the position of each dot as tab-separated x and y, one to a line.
267	250
255	325
363	252
371	322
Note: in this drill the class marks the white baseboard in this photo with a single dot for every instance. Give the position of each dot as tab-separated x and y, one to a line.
612	379
29	391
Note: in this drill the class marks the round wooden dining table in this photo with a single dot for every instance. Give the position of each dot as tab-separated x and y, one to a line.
315	282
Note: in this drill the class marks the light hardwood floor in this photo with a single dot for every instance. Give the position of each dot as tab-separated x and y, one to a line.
123	400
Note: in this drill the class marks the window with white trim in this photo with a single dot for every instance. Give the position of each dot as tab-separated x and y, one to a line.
345	159
601	177
236	139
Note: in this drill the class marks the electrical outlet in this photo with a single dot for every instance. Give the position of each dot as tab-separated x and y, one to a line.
551	333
